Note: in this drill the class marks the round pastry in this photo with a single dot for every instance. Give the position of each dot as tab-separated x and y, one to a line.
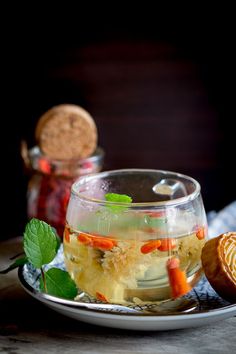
66	131
219	264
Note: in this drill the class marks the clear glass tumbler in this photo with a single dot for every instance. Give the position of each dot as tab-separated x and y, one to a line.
147	250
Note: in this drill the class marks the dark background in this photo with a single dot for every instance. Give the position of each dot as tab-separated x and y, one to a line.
160	93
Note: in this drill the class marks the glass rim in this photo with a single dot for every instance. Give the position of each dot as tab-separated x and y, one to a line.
177	201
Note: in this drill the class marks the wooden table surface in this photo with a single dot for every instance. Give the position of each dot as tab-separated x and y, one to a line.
27	326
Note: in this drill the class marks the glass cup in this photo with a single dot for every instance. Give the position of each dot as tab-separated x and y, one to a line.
147	250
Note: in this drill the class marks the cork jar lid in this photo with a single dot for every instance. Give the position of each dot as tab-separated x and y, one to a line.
66	131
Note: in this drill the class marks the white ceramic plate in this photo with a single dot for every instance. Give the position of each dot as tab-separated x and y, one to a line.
210	307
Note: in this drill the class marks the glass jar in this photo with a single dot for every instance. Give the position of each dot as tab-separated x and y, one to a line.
50	183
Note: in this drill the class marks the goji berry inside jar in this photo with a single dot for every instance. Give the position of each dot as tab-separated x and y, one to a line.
50	183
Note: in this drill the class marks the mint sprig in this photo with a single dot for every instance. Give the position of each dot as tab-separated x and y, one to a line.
59	283
117	198
41	244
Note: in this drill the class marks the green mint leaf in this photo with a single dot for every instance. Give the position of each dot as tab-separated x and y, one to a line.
18	262
117	198
40	243
59	283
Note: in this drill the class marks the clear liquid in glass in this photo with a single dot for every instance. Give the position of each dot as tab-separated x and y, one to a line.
130	269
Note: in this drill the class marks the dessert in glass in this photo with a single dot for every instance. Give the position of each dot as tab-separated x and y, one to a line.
135	236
